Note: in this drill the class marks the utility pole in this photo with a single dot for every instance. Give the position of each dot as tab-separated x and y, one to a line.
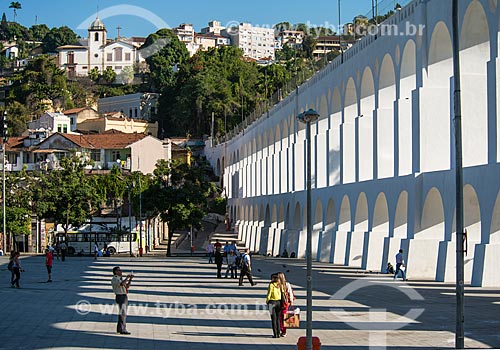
4	141
460	312
140	214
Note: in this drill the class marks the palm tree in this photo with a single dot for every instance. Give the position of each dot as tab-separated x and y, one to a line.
16	5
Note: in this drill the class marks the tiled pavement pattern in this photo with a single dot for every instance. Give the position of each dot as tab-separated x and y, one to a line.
178	304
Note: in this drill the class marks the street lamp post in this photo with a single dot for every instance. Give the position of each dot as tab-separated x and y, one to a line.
306	118
130	218
460	231
140	215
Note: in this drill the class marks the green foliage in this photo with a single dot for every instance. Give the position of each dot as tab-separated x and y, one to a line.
11	30
15	5
94	74
71	197
39	84
18	118
38	31
163	52
178	193
17	207
126	76
217	81
109	75
58	37
219	205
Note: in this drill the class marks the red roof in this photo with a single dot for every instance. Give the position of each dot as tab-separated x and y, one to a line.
104	141
74	110
14	142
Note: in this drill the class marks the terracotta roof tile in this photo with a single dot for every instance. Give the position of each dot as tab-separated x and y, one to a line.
14	142
104	141
74	110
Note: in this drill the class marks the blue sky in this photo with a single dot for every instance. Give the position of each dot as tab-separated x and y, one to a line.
142	17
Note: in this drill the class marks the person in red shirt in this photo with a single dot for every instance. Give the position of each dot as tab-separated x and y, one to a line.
217	245
48	263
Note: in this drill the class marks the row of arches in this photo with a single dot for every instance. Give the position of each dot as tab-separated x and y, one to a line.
380	216
380	83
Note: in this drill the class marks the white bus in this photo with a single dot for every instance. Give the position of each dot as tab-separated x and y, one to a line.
82	241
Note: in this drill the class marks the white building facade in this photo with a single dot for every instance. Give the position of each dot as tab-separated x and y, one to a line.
134	106
383	174
97	51
256	42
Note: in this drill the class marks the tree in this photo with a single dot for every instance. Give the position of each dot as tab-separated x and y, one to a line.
15	5
18	118
218	81
38	31
179	194
70	195
40	85
58	37
164	51
126	76
109	75
94	74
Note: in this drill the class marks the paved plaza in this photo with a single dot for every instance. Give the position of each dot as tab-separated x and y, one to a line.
178	303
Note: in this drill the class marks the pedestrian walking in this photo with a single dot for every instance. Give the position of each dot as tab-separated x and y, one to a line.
96	250
218	261
49	258
400	262
210	252
217	245
58	249
16	270
246	269
287	299
120	288
64	250
10	266
273	301
231	265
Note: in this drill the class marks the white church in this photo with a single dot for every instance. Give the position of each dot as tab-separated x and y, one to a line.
97	51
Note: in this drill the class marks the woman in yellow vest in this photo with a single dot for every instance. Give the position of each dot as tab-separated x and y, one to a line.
273	301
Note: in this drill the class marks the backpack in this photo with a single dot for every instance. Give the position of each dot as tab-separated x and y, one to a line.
240	261
11	265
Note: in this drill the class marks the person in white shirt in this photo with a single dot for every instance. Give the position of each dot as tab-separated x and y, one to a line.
246	269
400	262
231	265
210	252
120	288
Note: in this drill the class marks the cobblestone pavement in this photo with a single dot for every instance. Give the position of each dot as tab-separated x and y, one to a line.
178	303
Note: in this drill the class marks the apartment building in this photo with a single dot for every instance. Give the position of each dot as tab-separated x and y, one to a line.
256	42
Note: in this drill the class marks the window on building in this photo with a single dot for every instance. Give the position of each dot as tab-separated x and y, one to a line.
84	67
65	128
115	155
96	37
71	57
118	67
95	155
130	113
118	54
109	57
127	56
59	127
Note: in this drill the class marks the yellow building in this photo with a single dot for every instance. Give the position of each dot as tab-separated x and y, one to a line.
125	125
